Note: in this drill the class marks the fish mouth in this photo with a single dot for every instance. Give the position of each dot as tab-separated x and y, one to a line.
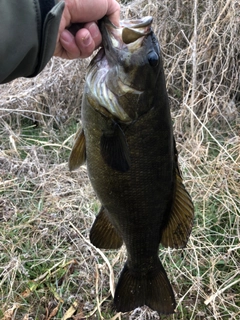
131	32
118	43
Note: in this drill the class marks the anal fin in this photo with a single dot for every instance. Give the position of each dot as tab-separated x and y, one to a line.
103	235
177	230
78	153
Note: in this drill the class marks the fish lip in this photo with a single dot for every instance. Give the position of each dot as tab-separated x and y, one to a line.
138	28
133	23
138	23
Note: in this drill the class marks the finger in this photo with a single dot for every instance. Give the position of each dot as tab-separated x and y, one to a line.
84	42
113	12
92	10
68	46
94	32
82	45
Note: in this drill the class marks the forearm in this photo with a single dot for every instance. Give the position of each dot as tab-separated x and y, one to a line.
28	34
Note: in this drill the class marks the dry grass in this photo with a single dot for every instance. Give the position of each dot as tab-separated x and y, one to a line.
48	268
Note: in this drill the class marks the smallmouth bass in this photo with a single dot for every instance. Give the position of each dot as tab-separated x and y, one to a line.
127	141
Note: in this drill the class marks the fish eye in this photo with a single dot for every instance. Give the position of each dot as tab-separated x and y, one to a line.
153	58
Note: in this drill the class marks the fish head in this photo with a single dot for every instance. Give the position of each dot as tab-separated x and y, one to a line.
123	76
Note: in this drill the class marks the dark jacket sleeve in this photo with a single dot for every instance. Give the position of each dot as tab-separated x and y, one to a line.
28	33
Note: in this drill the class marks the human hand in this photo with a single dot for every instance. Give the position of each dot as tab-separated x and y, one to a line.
82	42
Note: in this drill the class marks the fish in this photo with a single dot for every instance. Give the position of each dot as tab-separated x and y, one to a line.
128	145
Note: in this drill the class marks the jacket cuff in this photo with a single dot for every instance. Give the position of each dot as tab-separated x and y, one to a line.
45	7
49	35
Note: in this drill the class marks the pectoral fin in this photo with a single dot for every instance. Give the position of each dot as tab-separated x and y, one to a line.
103	235
78	153
114	148
177	230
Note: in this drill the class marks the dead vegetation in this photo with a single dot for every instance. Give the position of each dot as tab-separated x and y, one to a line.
48	268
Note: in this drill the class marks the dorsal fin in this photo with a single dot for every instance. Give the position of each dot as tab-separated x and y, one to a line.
78	153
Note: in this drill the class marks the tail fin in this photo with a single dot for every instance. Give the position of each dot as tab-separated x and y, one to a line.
152	289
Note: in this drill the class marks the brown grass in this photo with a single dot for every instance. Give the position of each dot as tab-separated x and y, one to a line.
48	268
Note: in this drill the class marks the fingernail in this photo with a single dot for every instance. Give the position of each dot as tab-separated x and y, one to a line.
93	29
86	40
66	36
